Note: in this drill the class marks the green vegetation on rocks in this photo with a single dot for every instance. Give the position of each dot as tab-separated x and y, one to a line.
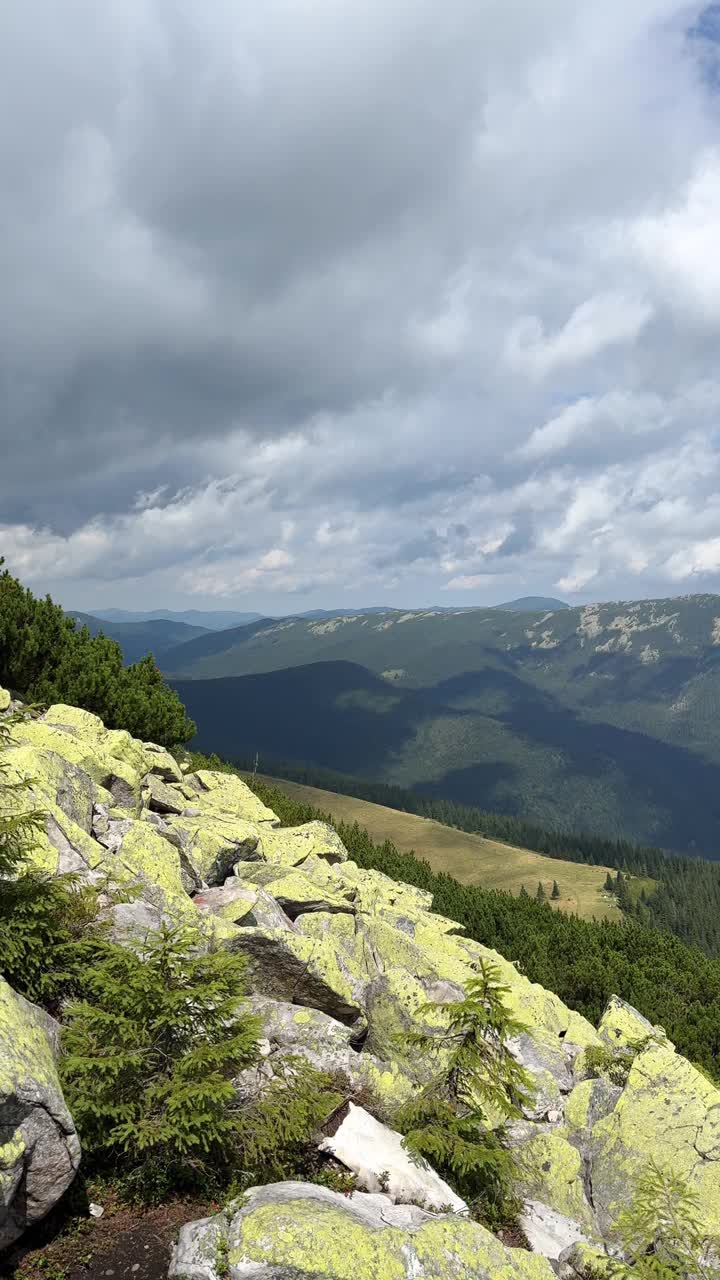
478	1085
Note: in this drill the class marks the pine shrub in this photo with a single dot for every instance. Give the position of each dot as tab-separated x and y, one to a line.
19	824
274	1133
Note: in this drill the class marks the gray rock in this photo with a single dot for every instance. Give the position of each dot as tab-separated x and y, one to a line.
297	1231
285	971
39	1148
133	920
548	1232
160	796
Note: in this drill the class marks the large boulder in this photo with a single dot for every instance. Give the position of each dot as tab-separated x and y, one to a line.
668	1112
296	1231
39	1148
292	1030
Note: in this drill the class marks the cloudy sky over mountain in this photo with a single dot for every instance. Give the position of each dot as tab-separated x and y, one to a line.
324	302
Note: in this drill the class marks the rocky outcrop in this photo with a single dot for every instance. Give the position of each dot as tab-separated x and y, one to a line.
294	1231
39	1148
341	961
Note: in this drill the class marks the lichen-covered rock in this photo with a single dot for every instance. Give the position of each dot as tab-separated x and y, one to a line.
144	858
5	699
622	1027
296	892
228	795
288	966
346	947
160	761
162	797
39	1148
296	1031
293	1229
293	845
212	843
668	1113
553	1172
247	905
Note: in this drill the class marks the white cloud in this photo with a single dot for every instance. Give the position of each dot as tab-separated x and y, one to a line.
576	580
605	320
358	303
679	244
697	560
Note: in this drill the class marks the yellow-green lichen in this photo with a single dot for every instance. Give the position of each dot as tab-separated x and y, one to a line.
226	794
291	846
552	1172
314	1237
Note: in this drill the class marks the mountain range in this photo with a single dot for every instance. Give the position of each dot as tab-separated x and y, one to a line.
602	718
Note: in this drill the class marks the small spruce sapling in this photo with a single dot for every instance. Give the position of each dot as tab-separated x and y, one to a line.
20	824
149	1057
555	891
661	1233
479	1082
540	894
273	1135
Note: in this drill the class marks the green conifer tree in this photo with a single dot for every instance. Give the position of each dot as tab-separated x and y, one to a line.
661	1233
555	890
19	821
447	1122
540	894
149	1055
609	883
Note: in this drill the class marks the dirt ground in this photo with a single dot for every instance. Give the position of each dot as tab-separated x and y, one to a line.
126	1243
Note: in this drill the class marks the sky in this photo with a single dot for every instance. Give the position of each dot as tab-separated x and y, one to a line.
340	302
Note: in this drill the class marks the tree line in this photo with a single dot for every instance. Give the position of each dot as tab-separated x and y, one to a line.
45	658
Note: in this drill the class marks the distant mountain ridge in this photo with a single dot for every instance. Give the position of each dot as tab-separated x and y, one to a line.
136	639
532	604
206	620
602	718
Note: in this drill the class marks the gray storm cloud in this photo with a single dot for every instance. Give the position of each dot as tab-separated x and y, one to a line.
293	292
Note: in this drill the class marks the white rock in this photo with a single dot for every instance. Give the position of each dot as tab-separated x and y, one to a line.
370	1150
549	1233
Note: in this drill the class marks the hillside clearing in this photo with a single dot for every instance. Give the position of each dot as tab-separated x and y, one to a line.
468	858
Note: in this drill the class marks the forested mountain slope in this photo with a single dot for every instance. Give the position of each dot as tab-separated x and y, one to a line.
602	718
136	639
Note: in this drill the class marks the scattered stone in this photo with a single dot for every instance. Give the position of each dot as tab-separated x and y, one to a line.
376	1155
